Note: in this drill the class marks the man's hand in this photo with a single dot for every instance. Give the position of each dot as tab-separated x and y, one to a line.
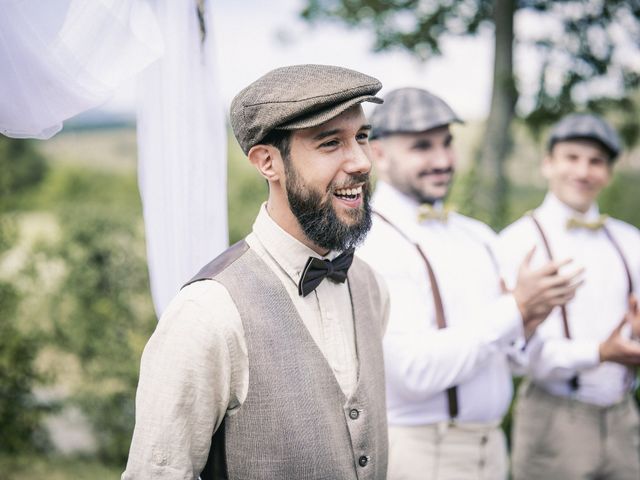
633	317
538	291
619	349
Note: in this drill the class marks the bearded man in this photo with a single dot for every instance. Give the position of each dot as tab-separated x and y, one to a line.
268	363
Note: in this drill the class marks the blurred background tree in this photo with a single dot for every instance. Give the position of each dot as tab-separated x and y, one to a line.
21	412
102	317
584	49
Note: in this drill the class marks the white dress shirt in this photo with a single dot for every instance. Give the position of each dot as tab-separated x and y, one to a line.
471	353
598	307
194	368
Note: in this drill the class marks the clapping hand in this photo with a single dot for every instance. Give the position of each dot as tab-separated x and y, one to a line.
538	291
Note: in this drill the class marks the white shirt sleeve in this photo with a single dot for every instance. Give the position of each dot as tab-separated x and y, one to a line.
420	364
561	358
194	370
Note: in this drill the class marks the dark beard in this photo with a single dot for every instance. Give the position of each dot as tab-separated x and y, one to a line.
318	219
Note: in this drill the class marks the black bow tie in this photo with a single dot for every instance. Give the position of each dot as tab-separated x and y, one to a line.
317	269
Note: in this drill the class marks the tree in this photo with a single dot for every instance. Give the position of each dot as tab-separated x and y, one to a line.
586	51
102	316
20	412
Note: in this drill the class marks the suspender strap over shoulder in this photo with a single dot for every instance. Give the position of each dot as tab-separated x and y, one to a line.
452	392
574	382
565	323
622	257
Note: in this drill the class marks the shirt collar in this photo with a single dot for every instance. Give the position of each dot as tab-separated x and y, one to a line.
285	250
395	205
554	210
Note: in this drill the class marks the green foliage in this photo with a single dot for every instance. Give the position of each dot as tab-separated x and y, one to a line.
22	169
71	186
32	467
588	47
621	198
20	412
102	314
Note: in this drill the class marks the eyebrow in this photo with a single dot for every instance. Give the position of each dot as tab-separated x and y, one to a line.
328	133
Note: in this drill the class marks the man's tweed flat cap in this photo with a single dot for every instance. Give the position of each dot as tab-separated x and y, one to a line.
410	110
296	97
586	125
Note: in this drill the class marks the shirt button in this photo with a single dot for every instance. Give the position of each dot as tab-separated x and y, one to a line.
484	439
354	414
363	460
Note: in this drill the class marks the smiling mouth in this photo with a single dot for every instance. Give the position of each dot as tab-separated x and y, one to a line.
436	172
349	193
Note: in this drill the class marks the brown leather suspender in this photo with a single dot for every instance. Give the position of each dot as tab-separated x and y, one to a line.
452	392
563	310
574	383
624	260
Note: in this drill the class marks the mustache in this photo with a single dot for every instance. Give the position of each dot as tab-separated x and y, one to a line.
353	180
435	171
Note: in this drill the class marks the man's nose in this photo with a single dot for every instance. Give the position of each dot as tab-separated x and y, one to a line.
441	158
583	168
358	160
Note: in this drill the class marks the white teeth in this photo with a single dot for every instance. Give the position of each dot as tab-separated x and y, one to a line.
349	191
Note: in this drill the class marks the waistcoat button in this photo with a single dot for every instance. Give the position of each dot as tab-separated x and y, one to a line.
363	460
354	414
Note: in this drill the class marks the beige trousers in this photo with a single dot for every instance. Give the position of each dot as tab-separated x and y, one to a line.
447	452
561	438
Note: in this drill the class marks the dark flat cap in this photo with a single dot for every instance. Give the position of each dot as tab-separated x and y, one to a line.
410	110
586	125
296	97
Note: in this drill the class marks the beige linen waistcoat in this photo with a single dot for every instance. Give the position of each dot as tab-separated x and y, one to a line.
295	422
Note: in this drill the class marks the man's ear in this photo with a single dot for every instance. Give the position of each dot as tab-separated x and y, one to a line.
266	159
545	166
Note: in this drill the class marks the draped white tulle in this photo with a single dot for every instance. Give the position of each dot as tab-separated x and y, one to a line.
61	57
182	152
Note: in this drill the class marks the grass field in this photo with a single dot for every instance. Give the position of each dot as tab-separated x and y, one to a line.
55	468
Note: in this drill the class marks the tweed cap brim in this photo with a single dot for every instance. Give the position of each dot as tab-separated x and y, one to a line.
411	110
586	126
297	97
318	118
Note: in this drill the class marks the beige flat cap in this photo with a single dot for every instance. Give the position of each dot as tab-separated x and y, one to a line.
296	97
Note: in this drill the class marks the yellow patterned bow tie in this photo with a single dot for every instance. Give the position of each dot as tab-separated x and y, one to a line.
580	223
427	212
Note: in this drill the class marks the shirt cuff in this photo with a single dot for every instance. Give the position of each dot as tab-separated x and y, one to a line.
507	321
584	353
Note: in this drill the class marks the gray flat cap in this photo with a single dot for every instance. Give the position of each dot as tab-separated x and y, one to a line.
585	125
296	97
410	110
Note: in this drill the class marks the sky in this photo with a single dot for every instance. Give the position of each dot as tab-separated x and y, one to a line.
253	37
273	36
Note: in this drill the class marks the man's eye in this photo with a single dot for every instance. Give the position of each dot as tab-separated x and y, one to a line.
421	146
330	143
362	137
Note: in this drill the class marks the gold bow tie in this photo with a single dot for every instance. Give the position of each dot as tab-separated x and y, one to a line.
580	223
427	212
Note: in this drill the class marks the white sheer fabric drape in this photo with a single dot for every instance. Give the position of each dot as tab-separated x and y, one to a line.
182	151
61	57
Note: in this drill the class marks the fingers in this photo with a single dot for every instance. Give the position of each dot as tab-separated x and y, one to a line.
529	256
618	330
633	304
574	278
553	267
